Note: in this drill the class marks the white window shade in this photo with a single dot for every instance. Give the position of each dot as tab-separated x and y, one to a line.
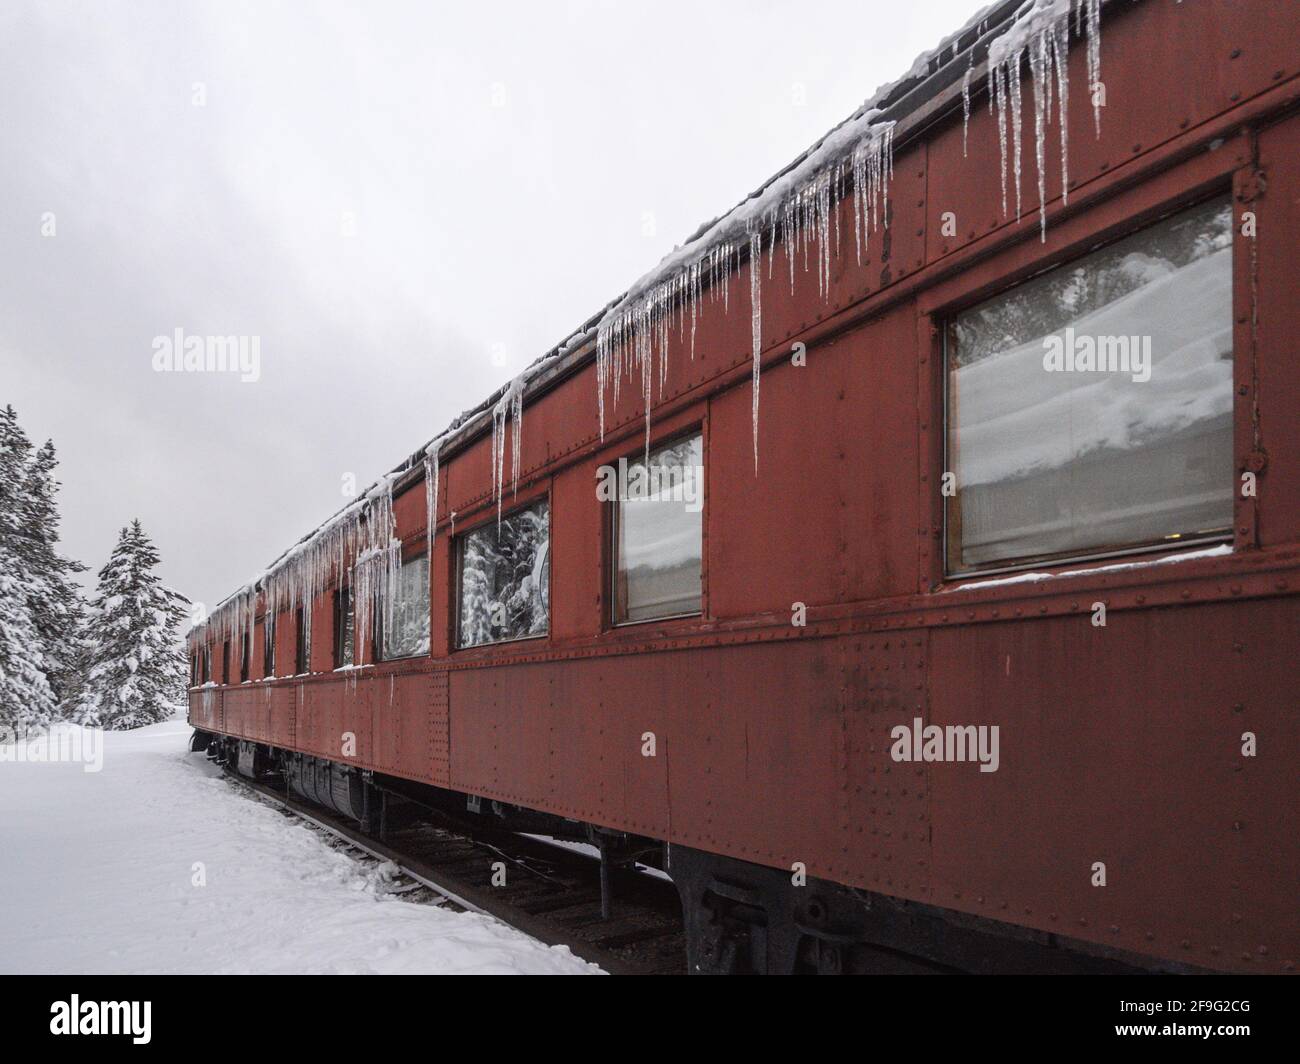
658	530
1073	461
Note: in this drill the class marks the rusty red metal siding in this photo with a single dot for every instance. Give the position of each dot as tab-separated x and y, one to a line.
442	585
578	555
1122	745
727	724
322	633
1277	390
837	446
409	726
205	709
286	644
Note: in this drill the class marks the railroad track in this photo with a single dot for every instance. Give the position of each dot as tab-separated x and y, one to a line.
544	889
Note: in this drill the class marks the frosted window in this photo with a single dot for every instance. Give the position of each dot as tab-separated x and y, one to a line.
505	578
1090	408
658	533
406	631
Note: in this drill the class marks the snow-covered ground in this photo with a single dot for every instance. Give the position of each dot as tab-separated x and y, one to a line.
97	875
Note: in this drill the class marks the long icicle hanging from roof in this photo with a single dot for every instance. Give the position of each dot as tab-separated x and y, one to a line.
799	211
431	469
1041	34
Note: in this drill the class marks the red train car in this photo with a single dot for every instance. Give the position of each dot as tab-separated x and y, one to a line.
913	556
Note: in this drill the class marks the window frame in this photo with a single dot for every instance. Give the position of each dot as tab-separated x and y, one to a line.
456	553
939	319
669	439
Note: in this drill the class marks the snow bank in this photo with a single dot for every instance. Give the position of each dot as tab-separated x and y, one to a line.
99	869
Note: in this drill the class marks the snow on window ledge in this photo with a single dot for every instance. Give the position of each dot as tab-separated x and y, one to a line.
1220	551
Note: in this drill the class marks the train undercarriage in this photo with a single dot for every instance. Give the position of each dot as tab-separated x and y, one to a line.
739	917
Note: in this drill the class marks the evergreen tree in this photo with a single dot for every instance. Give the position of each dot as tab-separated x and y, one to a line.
15	448
56	605
137	669
29	534
26	700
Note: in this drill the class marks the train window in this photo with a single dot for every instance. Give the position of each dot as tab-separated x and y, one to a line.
302	640
207	663
225	662
658	532
505	578
405	632
1089	409
245	654
194	669
268	646
344	628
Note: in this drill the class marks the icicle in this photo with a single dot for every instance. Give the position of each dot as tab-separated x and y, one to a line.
602	371
1061	58
996	98
431	467
790	233
857	218
1041	32
695	300
511	403
873	168
1013	83
965	104
725	252
1039	58
1094	58
822	206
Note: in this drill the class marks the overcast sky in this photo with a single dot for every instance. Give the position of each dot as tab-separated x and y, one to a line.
405	202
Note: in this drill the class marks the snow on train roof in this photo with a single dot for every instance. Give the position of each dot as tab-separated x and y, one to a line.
793	207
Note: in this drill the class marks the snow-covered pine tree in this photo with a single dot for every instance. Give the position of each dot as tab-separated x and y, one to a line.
29	524
137	669
26	700
57	606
